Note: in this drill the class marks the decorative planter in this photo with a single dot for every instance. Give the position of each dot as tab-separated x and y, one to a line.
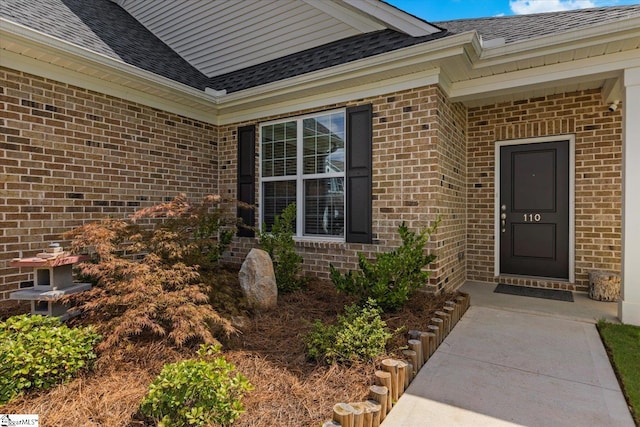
604	285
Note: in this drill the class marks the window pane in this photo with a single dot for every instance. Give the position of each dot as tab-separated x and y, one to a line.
279	149
324	207
320	139
275	197
323	135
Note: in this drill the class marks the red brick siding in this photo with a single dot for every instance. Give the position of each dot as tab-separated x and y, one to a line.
408	143
69	156
598	182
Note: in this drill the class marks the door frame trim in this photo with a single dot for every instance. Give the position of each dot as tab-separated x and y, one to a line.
572	205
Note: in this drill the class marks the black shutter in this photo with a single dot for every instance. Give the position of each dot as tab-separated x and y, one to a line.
358	174
246	178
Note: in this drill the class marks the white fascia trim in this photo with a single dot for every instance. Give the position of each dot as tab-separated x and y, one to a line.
413	55
557	43
394	18
359	21
50	71
25	36
322	99
604	66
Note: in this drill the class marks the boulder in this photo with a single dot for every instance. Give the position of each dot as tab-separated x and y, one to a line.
258	281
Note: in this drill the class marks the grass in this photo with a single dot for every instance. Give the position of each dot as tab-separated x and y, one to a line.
623	345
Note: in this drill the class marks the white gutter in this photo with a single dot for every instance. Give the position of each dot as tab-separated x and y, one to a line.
556	43
582	70
390	65
20	34
412	55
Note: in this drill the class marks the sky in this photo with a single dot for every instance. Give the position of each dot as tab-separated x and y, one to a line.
444	10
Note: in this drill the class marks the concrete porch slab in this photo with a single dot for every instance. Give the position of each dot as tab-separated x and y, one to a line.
501	367
583	308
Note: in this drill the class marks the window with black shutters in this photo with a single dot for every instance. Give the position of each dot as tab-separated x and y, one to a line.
321	162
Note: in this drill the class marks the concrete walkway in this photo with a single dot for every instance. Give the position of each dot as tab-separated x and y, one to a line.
504	366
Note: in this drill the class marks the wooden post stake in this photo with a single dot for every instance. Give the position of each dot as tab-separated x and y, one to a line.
441	331
452	316
391	366
432	342
358	414
454	307
446	321
331	424
412	356
413	334
436	332
374	412
416	345
343	414
410	375
383	378
464	298
402	376
380	394
424	340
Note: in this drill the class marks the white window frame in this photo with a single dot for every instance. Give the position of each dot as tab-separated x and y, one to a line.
300	177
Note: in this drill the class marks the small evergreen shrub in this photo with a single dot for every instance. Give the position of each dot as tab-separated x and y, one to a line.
279	244
360	335
394	276
38	352
196	392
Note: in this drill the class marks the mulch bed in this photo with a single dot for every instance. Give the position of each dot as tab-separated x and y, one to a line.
289	389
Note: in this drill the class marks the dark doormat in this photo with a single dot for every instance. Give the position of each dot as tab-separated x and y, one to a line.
534	292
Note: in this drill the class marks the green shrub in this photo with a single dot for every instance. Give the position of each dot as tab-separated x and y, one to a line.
38	352
279	244
360	335
394	276
196	392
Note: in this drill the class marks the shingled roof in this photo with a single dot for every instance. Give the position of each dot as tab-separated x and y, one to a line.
325	56
104	27
523	27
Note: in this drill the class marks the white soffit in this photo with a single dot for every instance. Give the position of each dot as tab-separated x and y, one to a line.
219	37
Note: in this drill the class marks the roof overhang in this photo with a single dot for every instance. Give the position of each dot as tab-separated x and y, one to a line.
34	52
467	72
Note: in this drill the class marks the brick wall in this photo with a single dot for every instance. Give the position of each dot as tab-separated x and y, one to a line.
598	181
68	156
452	196
413	131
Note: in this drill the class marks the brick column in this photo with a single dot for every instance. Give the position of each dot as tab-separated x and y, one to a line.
629	305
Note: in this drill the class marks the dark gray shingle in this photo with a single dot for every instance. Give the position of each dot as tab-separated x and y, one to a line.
522	27
336	53
103	27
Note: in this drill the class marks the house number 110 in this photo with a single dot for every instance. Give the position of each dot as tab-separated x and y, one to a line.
532	217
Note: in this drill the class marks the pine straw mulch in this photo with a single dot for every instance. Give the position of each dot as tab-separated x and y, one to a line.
289	389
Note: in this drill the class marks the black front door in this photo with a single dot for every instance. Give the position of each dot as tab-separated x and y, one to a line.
534	209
